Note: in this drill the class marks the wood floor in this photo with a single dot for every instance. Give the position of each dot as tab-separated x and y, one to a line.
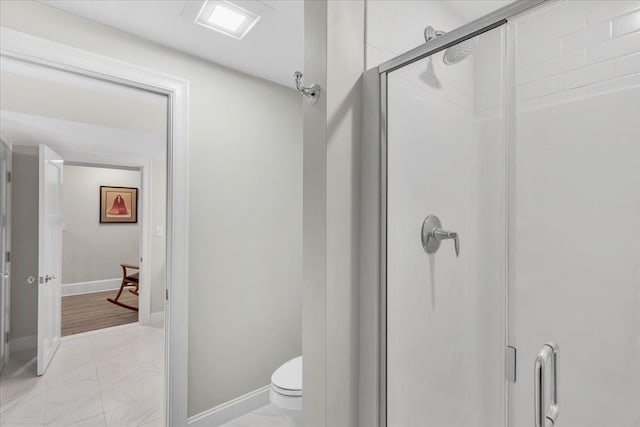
88	312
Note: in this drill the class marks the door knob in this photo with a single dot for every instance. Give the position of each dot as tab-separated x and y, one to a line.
48	278
432	234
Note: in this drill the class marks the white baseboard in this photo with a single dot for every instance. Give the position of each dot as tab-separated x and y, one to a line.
231	410
23	343
89	287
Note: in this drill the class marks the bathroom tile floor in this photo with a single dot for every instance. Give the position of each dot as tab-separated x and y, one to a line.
112	377
268	416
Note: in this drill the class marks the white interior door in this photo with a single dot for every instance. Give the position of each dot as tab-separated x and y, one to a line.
49	256
5	167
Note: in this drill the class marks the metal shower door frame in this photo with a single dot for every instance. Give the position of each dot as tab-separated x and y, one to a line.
470	30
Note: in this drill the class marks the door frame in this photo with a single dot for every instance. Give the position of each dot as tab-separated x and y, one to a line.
5	310
467	31
23	47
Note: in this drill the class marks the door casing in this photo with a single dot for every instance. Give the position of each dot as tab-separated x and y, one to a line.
5	261
18	46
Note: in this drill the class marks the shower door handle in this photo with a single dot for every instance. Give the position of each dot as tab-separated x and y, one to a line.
548	355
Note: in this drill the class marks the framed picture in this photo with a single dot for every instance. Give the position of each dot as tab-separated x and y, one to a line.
118	205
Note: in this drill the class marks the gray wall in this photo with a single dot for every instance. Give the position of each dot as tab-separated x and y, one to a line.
24	242
334	57
91	250
245	160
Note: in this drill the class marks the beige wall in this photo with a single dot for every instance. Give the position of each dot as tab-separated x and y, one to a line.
24	242
91	250
245	162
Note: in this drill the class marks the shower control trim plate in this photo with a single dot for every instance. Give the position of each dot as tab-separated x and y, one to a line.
432	234
429	244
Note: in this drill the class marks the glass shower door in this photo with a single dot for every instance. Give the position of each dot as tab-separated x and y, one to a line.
575	213
446	313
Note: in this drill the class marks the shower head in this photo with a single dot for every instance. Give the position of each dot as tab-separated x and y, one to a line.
459	52
431	33
454	54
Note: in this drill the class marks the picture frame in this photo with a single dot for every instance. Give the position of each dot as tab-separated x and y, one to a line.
118	205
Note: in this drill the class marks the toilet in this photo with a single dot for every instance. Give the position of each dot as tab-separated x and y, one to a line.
286	385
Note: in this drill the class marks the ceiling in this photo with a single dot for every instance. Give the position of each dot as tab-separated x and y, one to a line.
272	50
81	118
468	10
88	120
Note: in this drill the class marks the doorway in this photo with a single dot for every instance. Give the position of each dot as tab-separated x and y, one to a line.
30	50
101	253
5	251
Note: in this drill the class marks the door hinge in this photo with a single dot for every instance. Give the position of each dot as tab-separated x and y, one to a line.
166	294
9	177
511	354
7	336
8	257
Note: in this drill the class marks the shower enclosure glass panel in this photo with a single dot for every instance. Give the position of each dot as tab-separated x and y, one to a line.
446	314
575	209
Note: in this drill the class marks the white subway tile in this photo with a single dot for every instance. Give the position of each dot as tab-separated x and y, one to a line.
567	17
616	84
527	45
527	104
551	25
375	18
540	87
626	24
614	48
626	65
570	61
605	9
528	74
489	102
587	75
561	97
587	37
387	54
573	16
549	49
528	26
373	56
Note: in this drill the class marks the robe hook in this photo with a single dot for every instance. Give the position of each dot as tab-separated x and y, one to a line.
312	93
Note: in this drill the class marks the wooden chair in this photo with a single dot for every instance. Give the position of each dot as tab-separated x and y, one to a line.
128	279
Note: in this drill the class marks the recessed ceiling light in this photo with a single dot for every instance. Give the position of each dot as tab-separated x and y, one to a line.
226	18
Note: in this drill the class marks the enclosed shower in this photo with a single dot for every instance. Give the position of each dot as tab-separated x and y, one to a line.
510	221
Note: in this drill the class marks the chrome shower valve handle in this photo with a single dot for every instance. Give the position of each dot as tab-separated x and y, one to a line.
432	234
443	235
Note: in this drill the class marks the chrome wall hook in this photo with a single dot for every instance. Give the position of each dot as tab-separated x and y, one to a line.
312	93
